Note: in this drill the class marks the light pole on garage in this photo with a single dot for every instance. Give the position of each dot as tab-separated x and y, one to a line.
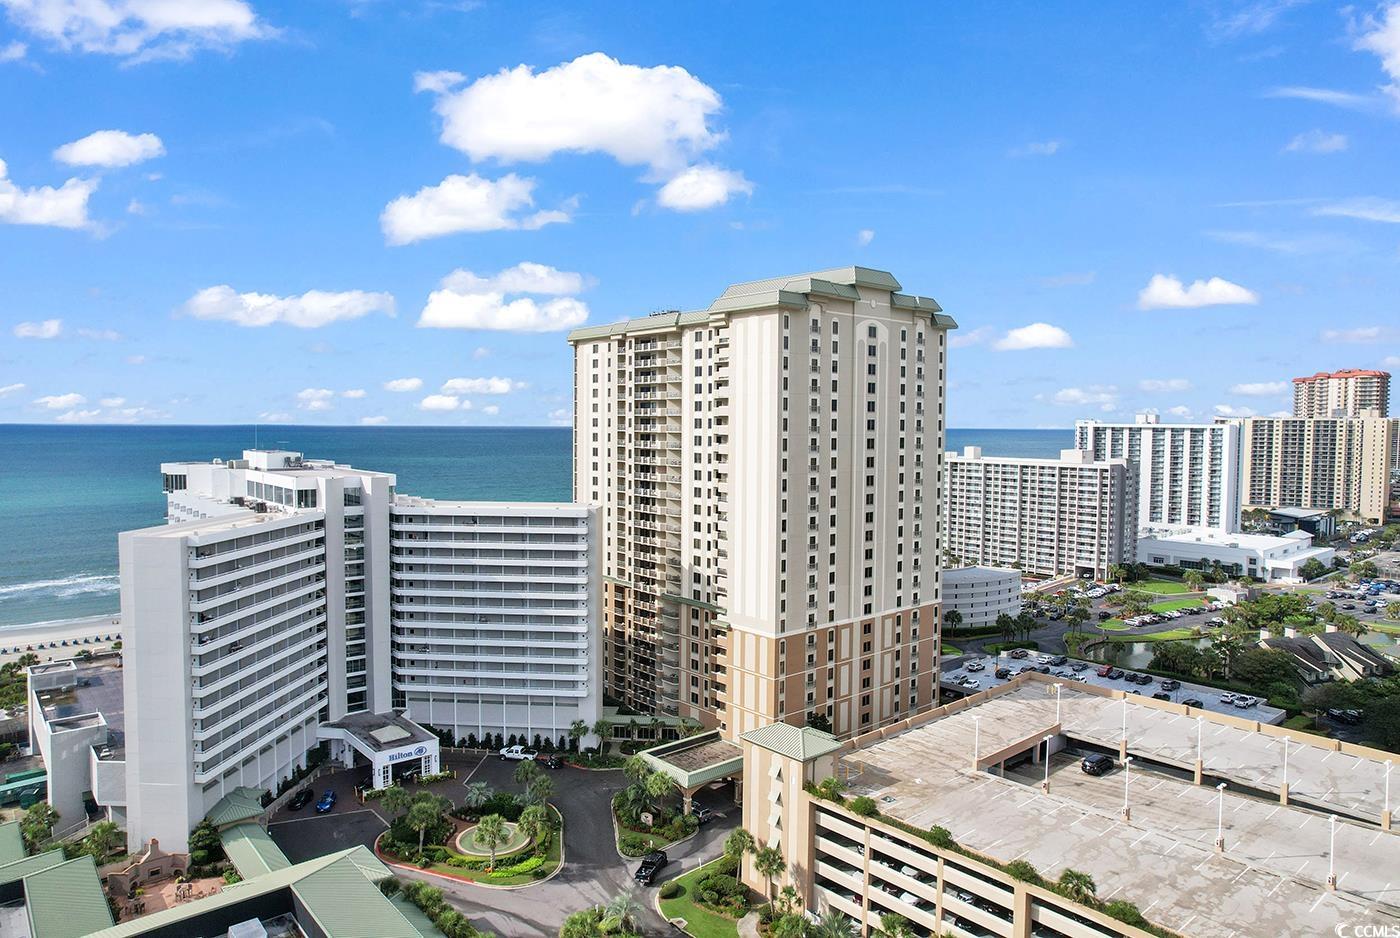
1220	819
1332	856
976	742
1127	773
1045	785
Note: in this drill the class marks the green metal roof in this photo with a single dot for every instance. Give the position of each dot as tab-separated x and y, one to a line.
11	843
796	742
19	869
347	905
241	804
66	901
252	851
696	760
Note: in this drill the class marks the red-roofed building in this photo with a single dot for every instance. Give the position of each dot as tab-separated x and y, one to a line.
1351	392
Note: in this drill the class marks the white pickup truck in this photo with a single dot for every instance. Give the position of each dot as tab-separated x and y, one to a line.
517	753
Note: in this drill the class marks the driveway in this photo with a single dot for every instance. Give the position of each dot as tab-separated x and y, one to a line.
592	873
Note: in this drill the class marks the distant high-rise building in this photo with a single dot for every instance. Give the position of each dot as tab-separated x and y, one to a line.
1297	462
767	472
1352	392
1044	517
1188	474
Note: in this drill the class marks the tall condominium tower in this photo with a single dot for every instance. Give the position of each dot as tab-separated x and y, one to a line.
1297	462
1352	392
1188	474
291	602
767	471
1044	517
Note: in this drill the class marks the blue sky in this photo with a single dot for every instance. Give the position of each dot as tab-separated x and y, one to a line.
222	211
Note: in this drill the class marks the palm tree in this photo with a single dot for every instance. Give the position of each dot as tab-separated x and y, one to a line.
104	838
769	863
1116	572
832	924
396	800
636	768
539	790
788	899
426	811
534	821
1352	626
736	845
526	772
632	801
1006	625
477	794
952	619
621	913
577	730
660	786
601	729
1078	887
491	833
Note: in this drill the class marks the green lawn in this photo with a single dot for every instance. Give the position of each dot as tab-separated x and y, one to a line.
699	921
1390	628
1171	635
551	862
1170	605
1158	586
951	650
1114	625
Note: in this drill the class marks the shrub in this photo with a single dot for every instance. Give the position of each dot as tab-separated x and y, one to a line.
1125	912
726	866
633	844
669	889
864	806
940	837
723	893
231	877
1024	871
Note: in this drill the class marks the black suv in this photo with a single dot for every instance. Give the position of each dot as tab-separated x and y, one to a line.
1096	764
300	800
651	865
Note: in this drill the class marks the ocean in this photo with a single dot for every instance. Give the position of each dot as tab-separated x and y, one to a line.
65	492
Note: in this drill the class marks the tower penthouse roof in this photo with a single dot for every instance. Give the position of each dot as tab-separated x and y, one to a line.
1344	373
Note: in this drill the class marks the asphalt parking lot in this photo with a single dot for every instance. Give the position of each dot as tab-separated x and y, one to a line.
593	872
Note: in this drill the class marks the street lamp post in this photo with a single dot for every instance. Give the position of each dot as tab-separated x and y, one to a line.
1200	762
1045	785
1283	792
1058	685
1220	819
976	742
1127	773
1332	856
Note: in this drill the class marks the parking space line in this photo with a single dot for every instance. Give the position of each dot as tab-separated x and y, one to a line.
323	817
1276	810
478	765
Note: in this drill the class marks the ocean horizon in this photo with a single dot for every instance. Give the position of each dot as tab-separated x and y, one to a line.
69	490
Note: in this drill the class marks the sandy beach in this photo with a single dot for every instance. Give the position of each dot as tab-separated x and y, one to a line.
98	631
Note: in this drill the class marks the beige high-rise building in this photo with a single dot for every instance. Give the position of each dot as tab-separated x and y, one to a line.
767	473
1044	517
1352	392
1343	463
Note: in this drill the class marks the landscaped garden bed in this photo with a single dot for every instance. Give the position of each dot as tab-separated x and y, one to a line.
653	796
709	899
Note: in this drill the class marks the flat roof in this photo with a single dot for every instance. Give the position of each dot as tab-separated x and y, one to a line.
381	732
696	760
958	574
1270	878
97	689
1214	538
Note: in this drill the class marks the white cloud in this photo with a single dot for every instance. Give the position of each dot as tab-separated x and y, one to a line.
64	207
1164	292
1317	141
468	301
78	416
1390	361
440	402
315	398
1383	38
377	421
491	410
466	203
1102	396
112	401
1036	335
136	207
100	335
482	386
481	352
1343	99
1164	384
1260	388
437	82
13	52
1038	148
700	187
139	30
136	359
563	417
48	329
354	393
274	417
960	339
11	389
1358	335
1319	243
61	401
656	117
310	310
865	236
1229	410
1363	208
110	148
1179	410
403	384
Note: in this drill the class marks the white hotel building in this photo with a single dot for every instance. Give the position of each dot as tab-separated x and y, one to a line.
291	601
1188	474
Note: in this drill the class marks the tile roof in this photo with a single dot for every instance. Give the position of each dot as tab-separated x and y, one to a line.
241	804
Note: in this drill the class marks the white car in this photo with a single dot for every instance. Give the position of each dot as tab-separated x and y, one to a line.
518	753
1227	698
975	666
970	682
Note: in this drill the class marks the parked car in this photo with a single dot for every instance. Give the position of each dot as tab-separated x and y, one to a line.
1171	684
1104	670
1105	615
1077	666
652	864
550	760
1002	673
975	666
702	816
1114	674
1018	653
326	803
1227	698
1161	696
300	800
1194	702
518	753
1095	763
1244	700
1058	660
